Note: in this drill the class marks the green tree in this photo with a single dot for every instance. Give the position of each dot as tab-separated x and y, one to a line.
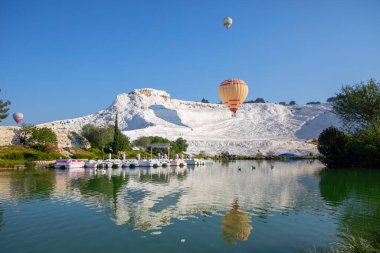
99	137
181	145
333	145
120	141
4	109
359	106
25	133
42	138
204	100
143	142
292	102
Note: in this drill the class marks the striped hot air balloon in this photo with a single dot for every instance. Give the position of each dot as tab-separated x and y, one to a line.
18	116
233	92
227	22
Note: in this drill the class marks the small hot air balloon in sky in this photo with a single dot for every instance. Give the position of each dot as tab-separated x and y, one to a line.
18	116
227	22
233	92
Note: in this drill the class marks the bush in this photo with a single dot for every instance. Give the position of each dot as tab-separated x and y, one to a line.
29	154
99	137
333	145
178	146
79	153
37	137
142	142
358	106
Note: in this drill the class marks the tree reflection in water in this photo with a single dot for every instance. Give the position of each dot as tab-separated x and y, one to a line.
236	225
30	184
354	195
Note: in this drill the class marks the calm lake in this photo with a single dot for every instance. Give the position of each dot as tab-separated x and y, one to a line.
276	207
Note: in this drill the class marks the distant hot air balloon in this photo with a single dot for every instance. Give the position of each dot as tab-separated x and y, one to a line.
233	92
18	116
227	22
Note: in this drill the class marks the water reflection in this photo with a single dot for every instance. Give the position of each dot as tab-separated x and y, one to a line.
236	225
26	184
1	217
354	196
149	199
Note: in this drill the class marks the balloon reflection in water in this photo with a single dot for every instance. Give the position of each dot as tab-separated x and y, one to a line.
236	225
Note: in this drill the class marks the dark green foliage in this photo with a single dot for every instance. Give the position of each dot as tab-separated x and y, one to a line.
181	145
365	148
333	145
204	100
178	146
313	103
41	138
120	141
358	149
142	142
99	137
4	109
21	153
282	103
292	102
25	133
359	106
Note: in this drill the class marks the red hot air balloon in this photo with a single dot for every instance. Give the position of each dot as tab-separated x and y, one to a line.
18	116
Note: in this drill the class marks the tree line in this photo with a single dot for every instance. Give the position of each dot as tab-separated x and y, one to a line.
357	143
110	139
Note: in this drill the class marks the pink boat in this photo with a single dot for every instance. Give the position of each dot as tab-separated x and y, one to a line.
70	163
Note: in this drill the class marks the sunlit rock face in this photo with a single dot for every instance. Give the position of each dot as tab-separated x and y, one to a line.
210	128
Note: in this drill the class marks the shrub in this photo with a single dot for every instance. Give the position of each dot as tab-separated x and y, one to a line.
99	137
37	137
178	146
333	145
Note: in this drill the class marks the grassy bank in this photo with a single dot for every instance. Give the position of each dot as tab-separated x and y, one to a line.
350	244
19	153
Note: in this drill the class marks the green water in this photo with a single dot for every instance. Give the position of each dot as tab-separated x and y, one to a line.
277	207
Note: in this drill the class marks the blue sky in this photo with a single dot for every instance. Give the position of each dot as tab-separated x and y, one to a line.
63	59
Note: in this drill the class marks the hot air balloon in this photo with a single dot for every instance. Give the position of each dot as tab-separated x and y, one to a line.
227	22
18	116
233	92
